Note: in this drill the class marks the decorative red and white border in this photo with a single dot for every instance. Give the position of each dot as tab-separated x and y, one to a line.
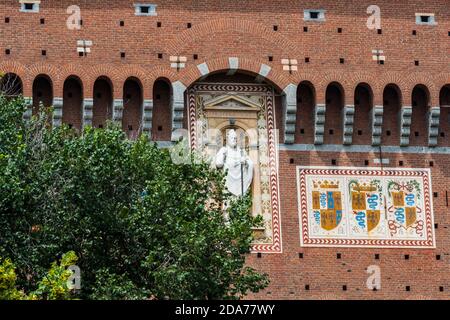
307	241
276	245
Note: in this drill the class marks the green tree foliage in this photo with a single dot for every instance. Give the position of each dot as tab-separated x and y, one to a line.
54	285
141	225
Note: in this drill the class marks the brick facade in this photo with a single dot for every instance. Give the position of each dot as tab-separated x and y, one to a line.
127	76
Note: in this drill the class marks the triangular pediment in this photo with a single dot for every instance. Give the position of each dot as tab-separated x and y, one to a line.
231	102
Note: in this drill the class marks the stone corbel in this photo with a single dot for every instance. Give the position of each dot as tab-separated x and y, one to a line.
405	125
178	89
433	126
377	124
290	107
147	117
29	111
349	118
118	110
57	111
88	105
319	123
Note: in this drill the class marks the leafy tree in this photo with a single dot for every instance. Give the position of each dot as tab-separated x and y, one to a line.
140	224
52	287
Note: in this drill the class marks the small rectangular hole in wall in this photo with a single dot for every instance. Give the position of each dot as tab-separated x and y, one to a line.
189	25
307	60
379	31
275	28
302	131
291	161
158	24
377	256
441	289
130	128
438	257
406	256
400	163
7	51
408	288
195	56
338	256
333	162
446	198
344	288
160	128
431	163
449	33
43	52
388	133
122	23
160	55
100	126
366	162
42	21
70	125
442	134
307	287
300	255
341	60
339	30
416	133
7	20
359	132
270	58
80	54
435	194
259	255
305	29
331	131
416	62
122	54
381	61
414	32
80	22
436	225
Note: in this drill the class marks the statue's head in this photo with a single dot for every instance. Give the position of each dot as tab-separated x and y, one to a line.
232	138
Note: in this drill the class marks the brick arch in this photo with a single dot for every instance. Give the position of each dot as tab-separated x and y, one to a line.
367	79
72	70
109	72
337	77
132	72
442	80
254	29
156	74
191	74
21	71
393	78
48	70
422	79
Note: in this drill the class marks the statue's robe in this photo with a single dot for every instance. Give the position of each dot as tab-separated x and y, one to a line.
230	160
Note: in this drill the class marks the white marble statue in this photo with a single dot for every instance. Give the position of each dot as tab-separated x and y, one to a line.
237	165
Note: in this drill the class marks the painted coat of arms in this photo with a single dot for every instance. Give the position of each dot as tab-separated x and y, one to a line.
365	207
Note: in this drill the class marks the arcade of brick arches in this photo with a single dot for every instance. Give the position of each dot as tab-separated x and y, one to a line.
357	172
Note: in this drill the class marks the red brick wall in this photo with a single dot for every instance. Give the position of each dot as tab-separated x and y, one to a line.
245	29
